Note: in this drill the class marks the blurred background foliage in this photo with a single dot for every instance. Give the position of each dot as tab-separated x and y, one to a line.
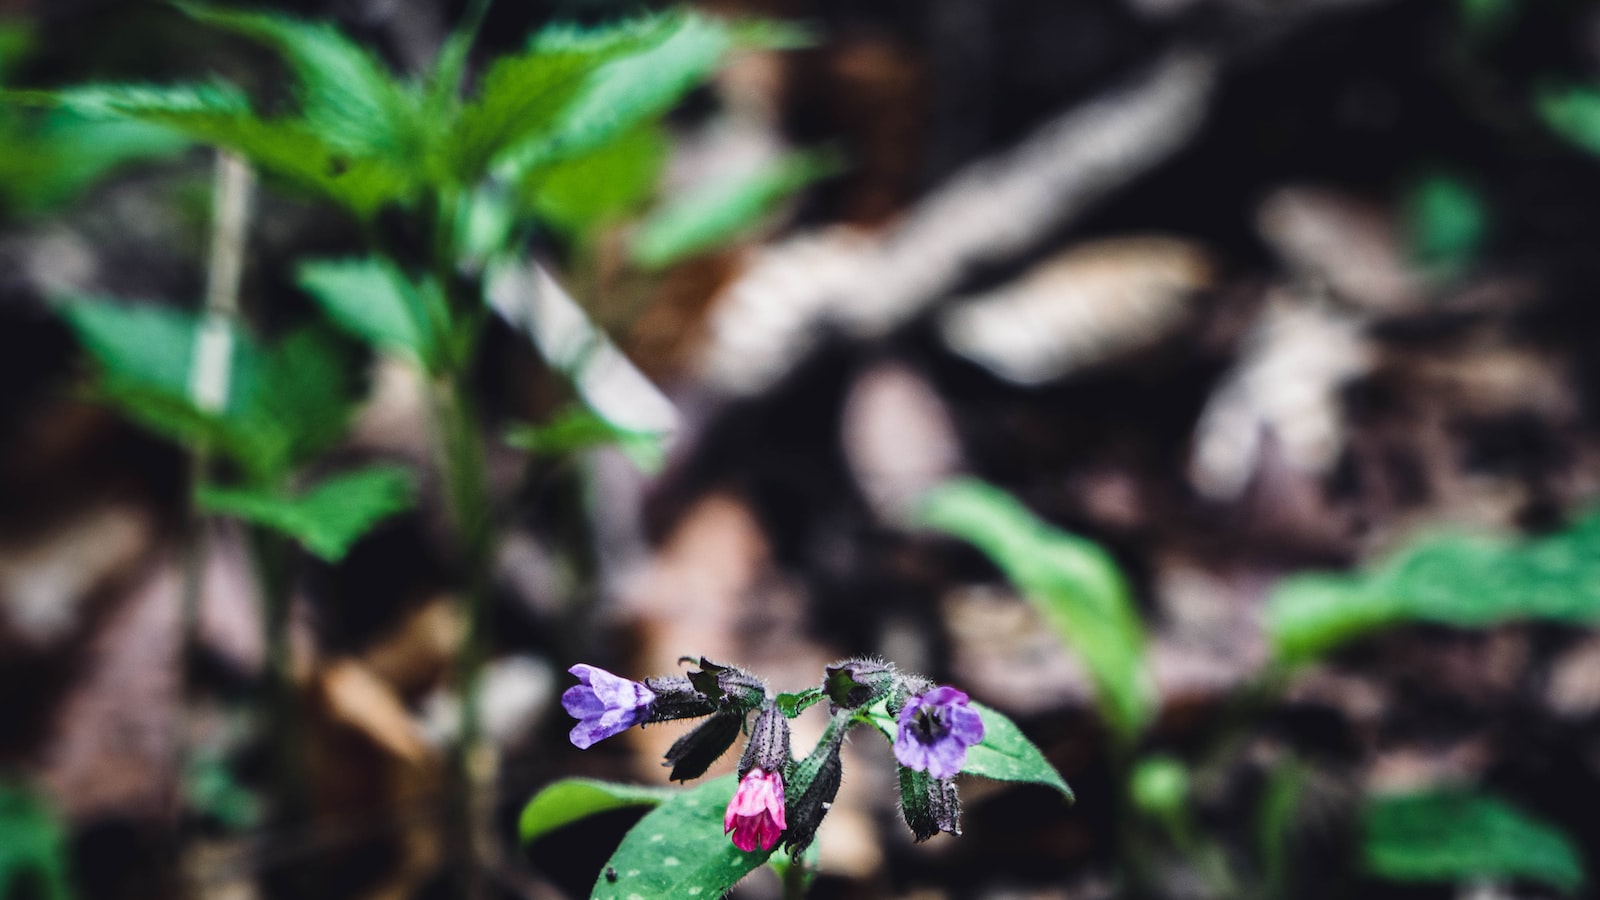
1206	385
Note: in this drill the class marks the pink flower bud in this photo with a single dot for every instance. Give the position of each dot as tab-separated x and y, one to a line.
755	814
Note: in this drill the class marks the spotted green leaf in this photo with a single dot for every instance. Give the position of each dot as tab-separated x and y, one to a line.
679	850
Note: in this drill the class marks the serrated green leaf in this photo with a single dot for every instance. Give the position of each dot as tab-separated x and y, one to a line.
296	401
1449	579
579	428
348	98
679	850
1004	754
374	301
711	215
1455	837
327	519
570	799
1074	583
48	162
220	115
579	194
638	86
522	96
33	847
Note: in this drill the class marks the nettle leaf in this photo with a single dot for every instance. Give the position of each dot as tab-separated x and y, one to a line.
348	97
374	301
523	95
1073	582
327	519
578	429
47	163
219	115
570	799
711	215
33	847
579	194
679	850
640	85
145	356
1004	754
1448	579
297	399
1455	837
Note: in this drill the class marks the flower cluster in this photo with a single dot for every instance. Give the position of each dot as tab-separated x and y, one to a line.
779	798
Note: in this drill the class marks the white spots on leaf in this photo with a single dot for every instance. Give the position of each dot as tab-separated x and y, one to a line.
694	889
670	861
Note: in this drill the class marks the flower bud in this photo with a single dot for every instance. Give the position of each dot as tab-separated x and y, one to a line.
929	805
728	687
813	785
691	755
855	683
676	698
768	748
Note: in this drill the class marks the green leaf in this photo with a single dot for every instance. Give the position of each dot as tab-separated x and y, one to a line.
578	429
347	96
47	163
711	215
522	96
144	354
1074	583
1448	579
679	850
639	85
297	400
329	518
582	193
374	301
570	799
1447	220
1449	836
1004	754
220	115
33	847
1572	111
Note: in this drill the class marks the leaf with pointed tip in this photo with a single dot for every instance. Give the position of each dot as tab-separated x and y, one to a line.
721	210
523	95
570	799
348	98
679	850
1459	837
582	193
579	428
373	300
327	519
1465	581
219	115
1073	582
1004	754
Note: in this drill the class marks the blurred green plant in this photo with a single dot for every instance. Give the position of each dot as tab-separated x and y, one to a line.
1447	579
1446	220
1454	836
1074	583
33	847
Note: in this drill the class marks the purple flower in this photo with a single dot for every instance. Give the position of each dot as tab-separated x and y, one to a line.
936	728
755	814
605	704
